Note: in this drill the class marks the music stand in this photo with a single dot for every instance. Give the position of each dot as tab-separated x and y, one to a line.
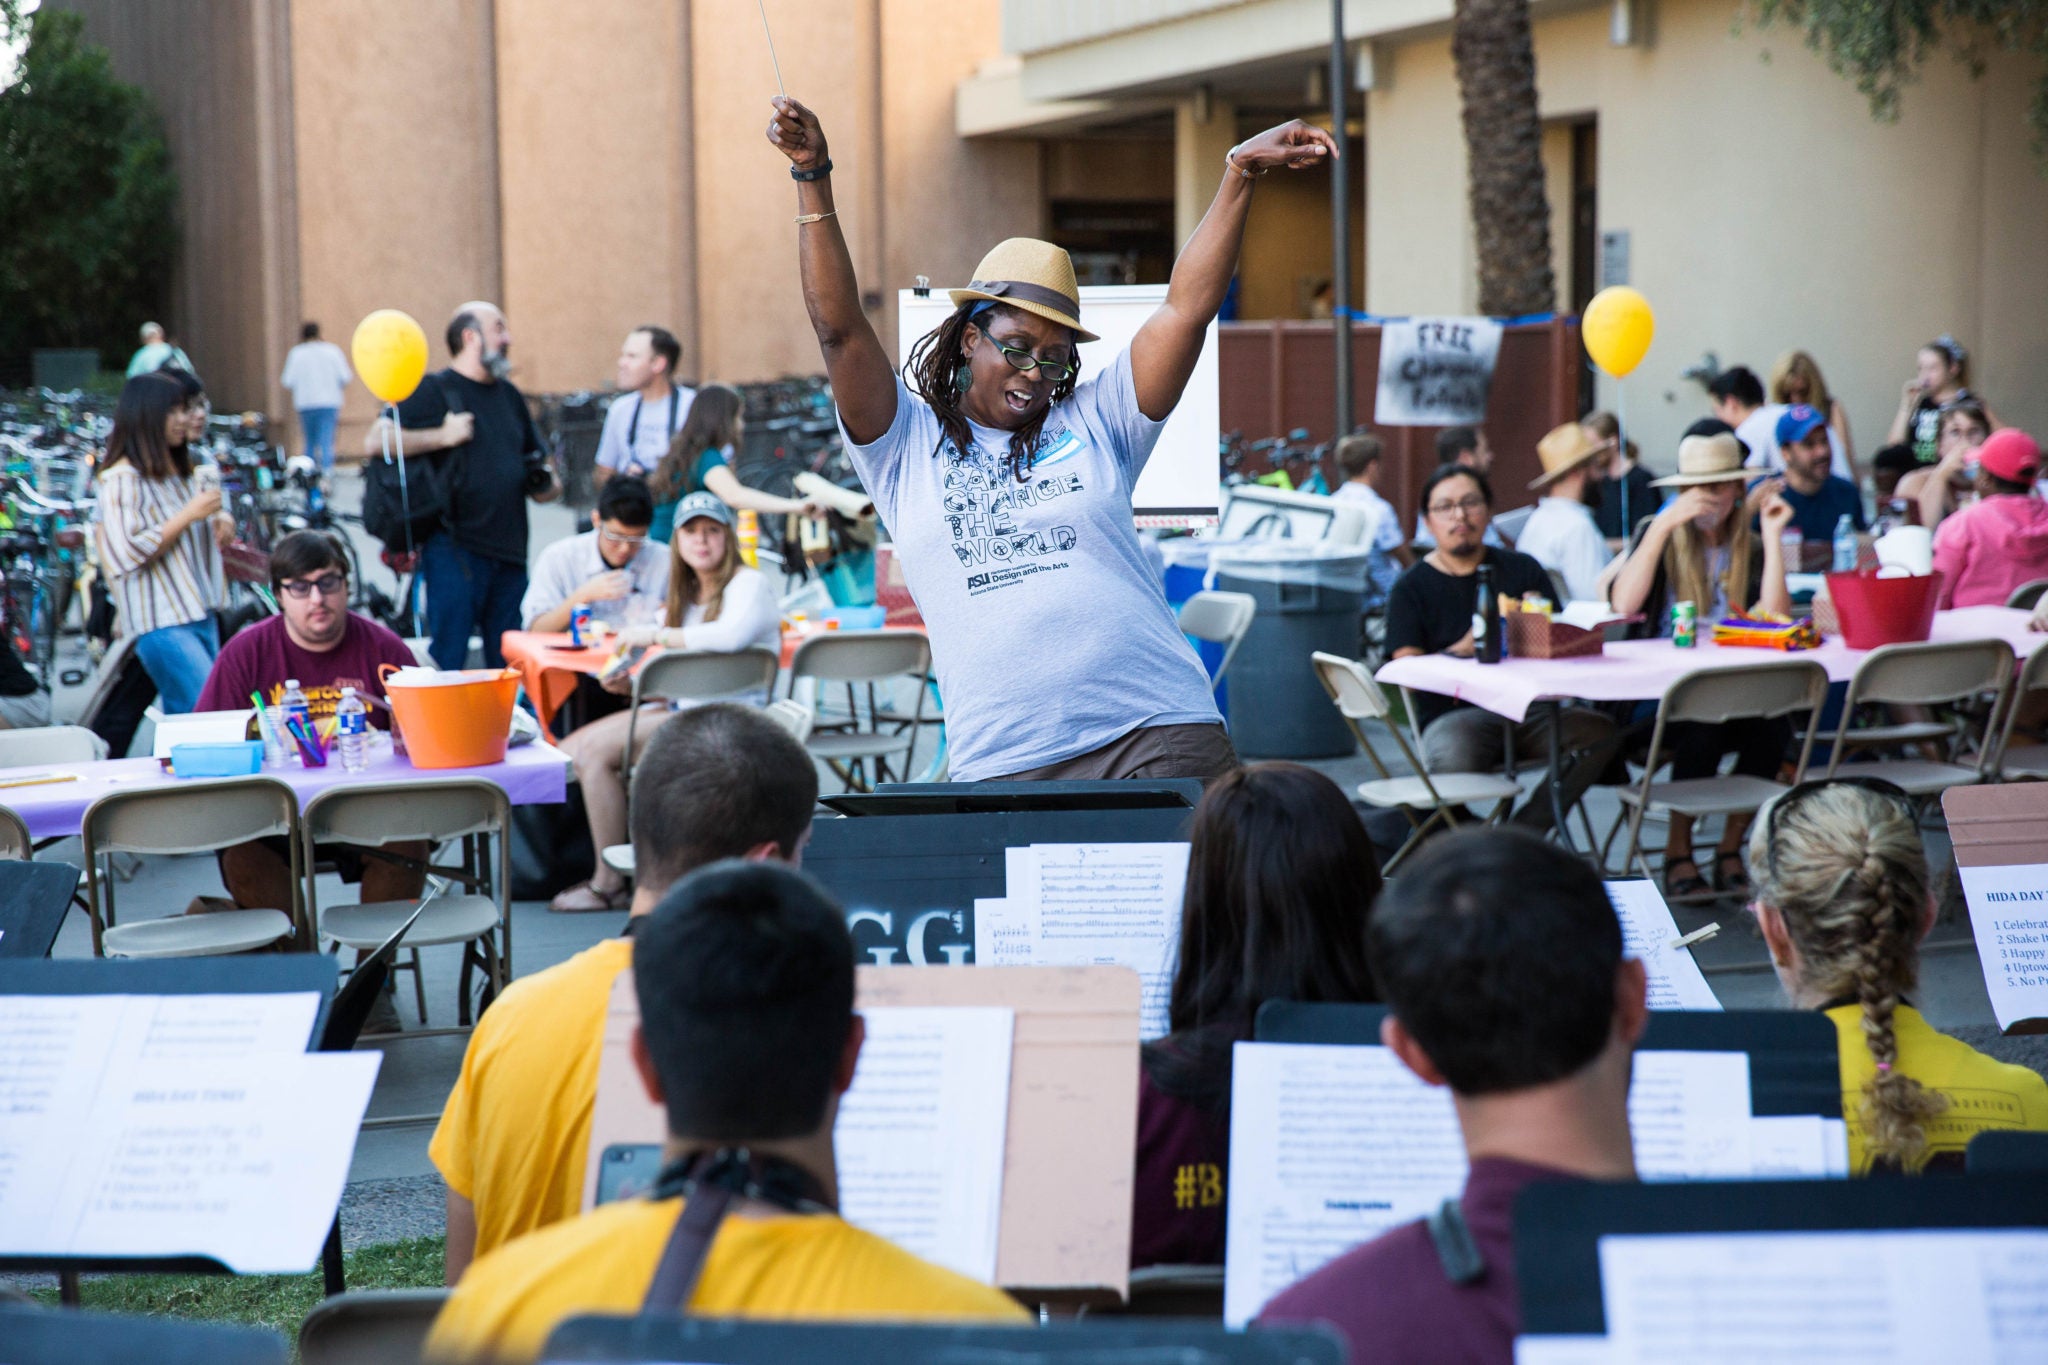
727	1342
1003	798
35	1336
2007	1152
34	898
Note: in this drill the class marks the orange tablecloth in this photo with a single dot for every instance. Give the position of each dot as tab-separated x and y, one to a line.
549	667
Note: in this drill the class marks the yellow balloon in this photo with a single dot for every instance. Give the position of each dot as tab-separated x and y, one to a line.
1617	329
390	353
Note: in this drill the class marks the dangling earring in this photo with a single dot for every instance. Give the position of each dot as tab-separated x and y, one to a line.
963	378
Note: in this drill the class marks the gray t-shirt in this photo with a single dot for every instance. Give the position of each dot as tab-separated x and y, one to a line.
1050	631
636	433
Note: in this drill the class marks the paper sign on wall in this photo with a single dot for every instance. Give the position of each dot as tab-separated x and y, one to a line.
1435	372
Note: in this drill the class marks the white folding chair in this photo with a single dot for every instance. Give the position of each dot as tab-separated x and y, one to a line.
203	817
1359	699
15	845
2027	595
433	812
1219	618
857	658
1759	691
50	744
1931	674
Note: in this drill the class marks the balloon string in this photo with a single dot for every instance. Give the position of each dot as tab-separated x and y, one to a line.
1621	453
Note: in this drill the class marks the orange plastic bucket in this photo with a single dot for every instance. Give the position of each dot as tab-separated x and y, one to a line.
1877	611
454	724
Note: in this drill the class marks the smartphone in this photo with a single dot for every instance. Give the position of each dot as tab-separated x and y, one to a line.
627	1170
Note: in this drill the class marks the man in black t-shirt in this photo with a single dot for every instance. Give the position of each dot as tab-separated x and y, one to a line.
475	564
1430	611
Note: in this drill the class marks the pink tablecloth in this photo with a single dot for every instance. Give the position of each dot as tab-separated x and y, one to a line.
1640	670
532	774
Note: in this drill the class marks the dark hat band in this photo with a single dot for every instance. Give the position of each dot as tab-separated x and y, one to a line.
1028	293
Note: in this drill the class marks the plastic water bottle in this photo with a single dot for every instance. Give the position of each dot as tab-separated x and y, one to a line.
293	703
1845	544
352	731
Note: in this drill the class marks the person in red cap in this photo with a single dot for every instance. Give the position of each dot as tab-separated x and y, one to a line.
1986	550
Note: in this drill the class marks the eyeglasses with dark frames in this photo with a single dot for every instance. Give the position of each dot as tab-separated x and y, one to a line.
327	585
1022	359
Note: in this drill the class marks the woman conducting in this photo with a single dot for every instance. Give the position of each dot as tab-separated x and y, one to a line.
159	539
1006	484
1702	549
1842	897
715	602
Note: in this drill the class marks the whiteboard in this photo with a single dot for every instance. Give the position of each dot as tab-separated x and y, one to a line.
1184	479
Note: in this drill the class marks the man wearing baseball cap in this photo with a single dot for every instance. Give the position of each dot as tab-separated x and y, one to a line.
1986	550
1819	499
1561	533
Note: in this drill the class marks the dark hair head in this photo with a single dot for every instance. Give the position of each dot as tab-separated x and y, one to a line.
713	424
1281	876
1952	353
1452	442
1899	459
935	360
1444	472
745	978
1497	950
309	331
1714	426
718	781
140	414
303	554
464	321
188	383
664	344
1740	384
625	499
1356	454
1995	487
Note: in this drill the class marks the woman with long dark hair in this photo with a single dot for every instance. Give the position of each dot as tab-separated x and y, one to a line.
1005	482
162	563
699	460
1281	878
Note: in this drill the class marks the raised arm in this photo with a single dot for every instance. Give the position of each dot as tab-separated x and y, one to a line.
1164	352
1629	589
863	380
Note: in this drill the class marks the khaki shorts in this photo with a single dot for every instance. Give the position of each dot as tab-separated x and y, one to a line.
1201	751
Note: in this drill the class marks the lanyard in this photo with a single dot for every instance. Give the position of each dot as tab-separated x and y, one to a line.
708	1180
633	427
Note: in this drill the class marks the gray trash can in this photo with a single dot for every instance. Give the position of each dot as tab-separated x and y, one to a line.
1310	596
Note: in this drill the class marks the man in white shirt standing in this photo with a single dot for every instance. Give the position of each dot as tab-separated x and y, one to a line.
650	409
1561	533
317	373
1358	459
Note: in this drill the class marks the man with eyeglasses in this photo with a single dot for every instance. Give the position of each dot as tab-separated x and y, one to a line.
613	568
317	642
1430	611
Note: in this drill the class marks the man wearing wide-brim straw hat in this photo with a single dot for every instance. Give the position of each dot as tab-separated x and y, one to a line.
1005	481
1561	533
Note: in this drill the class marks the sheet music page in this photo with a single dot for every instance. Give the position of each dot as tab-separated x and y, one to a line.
1835	1150
242	1159
1563	1350
1689	1115
1647	933
1827	1298
1002	933
2009	916
1329	1147
920	1136
1117	904
1789	1147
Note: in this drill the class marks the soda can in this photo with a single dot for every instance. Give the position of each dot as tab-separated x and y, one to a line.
1685	619
579	625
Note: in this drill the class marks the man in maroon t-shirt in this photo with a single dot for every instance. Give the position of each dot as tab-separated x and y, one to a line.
1501	961
316	640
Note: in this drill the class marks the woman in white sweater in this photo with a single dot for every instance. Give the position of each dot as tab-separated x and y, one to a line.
716	603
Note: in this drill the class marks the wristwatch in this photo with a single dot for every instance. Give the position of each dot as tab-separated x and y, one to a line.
814	173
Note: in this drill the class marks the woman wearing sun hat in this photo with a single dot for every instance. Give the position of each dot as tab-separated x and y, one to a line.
1701	549
1006	484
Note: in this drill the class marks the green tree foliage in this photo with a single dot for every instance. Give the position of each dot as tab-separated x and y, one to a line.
87	196
1881	44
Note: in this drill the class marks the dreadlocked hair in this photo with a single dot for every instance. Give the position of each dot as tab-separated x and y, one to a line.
1847	873
929	375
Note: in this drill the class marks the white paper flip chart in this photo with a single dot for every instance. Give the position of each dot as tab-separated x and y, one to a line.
921	1134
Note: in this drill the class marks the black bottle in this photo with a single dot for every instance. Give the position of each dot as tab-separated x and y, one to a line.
1487	645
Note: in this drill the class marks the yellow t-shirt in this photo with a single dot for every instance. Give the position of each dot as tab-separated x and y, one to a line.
782	1267
1982	1093
515	1134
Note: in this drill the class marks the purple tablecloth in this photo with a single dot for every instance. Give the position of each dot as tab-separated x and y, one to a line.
532	774
1640	670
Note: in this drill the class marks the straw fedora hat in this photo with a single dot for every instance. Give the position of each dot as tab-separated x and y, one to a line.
1706	459
1035	276
1565	449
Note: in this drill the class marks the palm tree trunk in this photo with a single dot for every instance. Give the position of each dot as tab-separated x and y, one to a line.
1496	63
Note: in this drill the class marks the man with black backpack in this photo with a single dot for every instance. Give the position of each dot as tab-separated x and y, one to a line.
473	458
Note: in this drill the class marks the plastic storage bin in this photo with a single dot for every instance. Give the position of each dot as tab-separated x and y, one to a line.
238	758
452	720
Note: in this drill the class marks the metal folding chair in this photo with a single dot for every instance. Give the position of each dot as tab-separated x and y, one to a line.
1932	674
695	675
856	658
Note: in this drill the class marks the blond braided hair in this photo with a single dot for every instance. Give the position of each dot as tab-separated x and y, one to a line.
1845	869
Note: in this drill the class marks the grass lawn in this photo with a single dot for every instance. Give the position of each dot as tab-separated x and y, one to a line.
276	1301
